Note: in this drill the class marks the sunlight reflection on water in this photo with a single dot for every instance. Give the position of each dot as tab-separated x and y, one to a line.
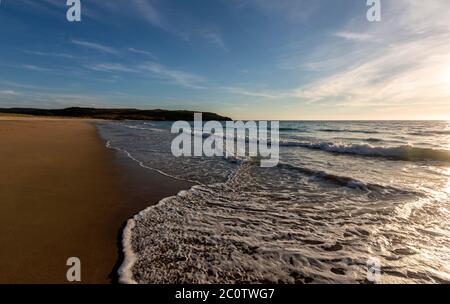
447	188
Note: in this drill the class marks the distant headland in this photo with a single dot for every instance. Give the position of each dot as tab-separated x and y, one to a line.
114	114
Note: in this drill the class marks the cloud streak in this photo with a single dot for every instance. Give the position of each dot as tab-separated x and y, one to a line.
215	38
9	93
354	36
149	12
156	70
142	52
95	46
187	80
36	68
111	67
50	54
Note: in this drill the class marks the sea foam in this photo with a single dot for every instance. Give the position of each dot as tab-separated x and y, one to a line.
404	152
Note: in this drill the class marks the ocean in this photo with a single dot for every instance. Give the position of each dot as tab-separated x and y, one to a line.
347	200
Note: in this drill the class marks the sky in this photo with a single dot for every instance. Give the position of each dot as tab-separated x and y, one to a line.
246	59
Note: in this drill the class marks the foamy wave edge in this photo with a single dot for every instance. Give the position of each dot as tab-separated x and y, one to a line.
125	271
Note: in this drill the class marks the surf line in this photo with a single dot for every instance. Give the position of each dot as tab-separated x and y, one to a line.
238	138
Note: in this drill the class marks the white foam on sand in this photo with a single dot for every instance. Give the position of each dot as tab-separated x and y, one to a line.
125	270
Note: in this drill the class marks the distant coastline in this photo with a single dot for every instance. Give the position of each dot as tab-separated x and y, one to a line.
114	114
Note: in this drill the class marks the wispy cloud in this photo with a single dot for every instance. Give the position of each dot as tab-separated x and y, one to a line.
51	100
50	54
14	94
142	52
111	67
409	64
156	70
69	98
149	12
215	38
254	93
9	93
145	10
95	46
354	36
175	76
18	85
36	68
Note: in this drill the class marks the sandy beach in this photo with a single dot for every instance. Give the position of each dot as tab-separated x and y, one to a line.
64	194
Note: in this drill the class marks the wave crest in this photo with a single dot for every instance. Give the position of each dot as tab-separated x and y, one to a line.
404	152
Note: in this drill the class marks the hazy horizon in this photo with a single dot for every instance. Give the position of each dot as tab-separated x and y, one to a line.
246	59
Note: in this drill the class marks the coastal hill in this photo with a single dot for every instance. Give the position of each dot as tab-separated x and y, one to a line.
114	114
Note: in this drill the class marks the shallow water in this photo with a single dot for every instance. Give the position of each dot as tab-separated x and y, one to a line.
343	194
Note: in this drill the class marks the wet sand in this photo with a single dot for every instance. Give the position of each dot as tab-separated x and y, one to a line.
64	194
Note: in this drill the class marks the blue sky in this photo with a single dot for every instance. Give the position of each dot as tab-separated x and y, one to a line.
248	59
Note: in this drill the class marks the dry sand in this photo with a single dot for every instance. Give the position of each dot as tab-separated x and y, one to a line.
63	194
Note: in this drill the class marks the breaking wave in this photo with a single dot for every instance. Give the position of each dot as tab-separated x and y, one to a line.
405	152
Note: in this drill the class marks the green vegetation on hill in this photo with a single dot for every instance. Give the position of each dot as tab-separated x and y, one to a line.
115	114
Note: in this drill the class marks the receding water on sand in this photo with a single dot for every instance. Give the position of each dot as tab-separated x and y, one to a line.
343	193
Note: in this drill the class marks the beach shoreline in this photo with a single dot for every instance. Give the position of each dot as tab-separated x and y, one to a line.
65	194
